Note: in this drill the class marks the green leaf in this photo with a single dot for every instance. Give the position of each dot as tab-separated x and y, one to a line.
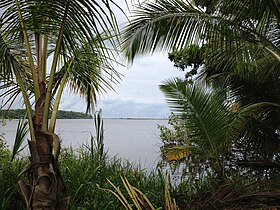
206	120
21	132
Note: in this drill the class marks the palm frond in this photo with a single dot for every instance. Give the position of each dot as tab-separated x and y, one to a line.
89	73
85	20
207	121
258	127
22	131
176	24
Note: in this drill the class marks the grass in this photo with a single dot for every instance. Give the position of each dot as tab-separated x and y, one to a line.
10	197
86	178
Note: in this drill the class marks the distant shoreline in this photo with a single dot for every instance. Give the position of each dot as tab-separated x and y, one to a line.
20	113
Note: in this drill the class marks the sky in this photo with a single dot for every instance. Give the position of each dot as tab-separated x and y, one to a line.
138	93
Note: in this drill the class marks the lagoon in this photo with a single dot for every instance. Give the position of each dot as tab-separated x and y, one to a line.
136	140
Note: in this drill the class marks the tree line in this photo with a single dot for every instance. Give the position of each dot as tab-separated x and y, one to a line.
21	113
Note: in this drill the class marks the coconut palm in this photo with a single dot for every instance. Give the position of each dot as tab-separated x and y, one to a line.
46	46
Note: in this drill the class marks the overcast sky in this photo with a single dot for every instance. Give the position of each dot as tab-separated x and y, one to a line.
138	93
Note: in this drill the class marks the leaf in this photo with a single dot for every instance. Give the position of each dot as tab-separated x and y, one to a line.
206	120
21	132
175	153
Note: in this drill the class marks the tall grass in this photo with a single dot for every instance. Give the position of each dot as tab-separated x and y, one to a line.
86	179
10	197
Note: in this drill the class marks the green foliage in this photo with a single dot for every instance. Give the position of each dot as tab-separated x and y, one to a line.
86	179
192	56
4	151
21	133
72	115
10	196
175	133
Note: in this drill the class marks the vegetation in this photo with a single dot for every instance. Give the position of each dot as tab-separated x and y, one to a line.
227	123
140	200
226	109
87	174
21	113
78	38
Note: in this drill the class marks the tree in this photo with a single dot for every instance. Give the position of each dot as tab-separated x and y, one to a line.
241	55
76	37
191	56
223	25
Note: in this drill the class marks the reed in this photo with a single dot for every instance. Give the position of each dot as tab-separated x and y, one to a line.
85	176
139	200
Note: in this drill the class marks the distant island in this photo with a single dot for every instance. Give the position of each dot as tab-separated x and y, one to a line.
20	113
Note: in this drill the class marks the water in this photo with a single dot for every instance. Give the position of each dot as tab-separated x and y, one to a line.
135	140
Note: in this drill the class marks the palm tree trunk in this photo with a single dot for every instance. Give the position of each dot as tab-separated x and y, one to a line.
45	181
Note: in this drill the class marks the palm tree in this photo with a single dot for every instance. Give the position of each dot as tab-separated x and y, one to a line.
46	46
242	55
223	25
207	121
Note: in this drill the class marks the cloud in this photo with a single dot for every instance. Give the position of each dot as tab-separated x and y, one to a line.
137	95
118	108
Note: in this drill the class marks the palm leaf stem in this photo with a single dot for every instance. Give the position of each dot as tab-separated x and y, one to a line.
28	48
53	69
273	53
57	102
27	105
38	41
44	57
